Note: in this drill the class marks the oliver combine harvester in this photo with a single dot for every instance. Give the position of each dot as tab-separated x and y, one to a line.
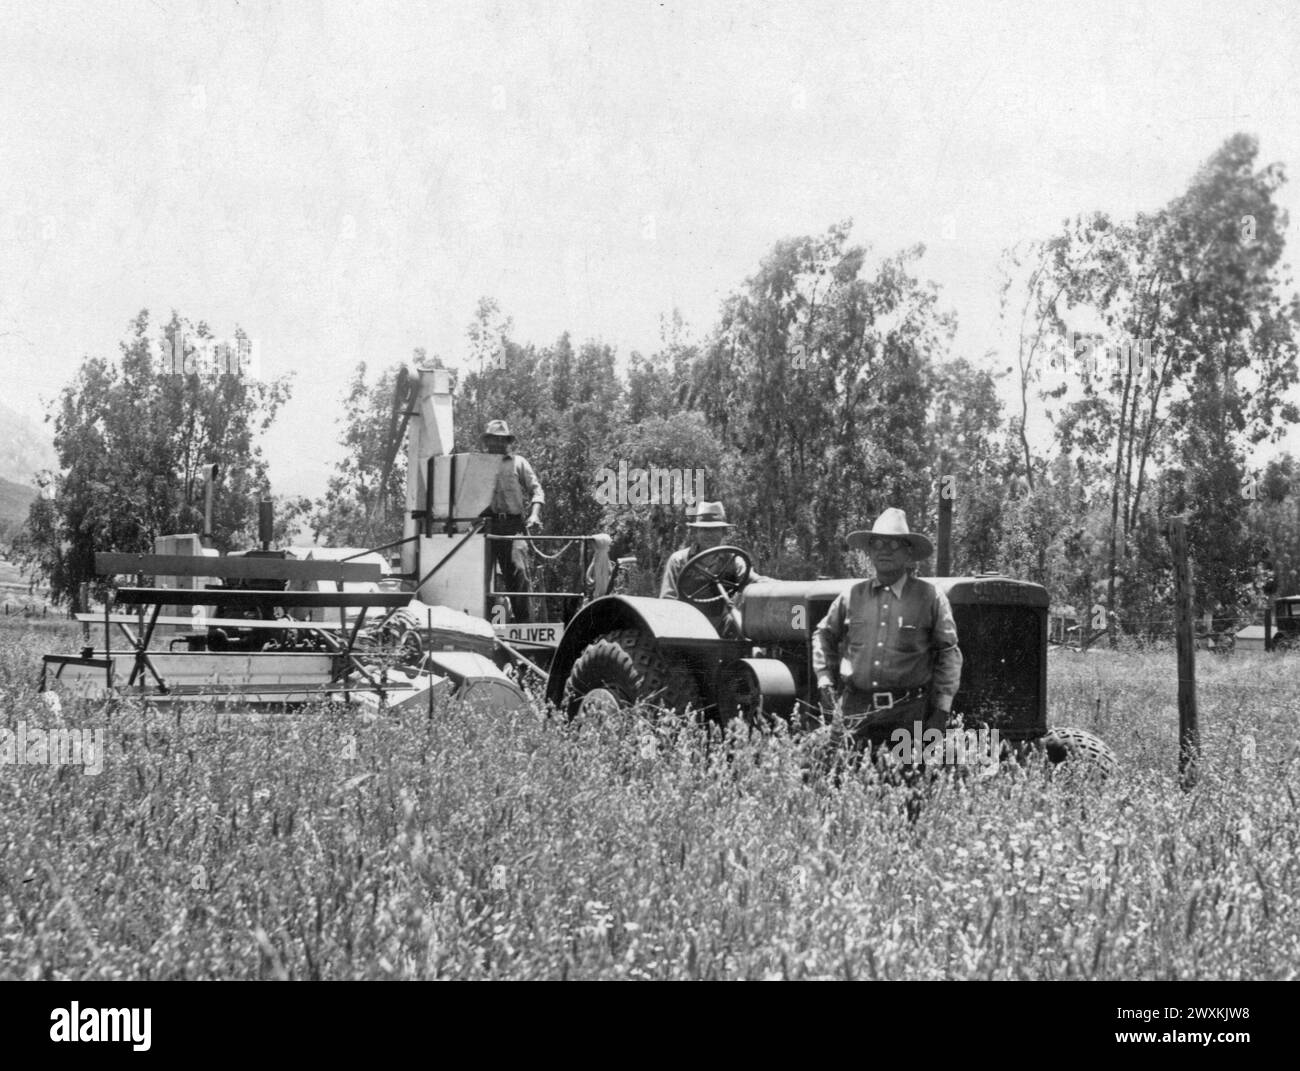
281	628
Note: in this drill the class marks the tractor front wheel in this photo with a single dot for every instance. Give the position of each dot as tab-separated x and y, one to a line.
623	668
1080	750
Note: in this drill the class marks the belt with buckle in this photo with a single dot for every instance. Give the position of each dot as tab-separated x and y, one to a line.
886	700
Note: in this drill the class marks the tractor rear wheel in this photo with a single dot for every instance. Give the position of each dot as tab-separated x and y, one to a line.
1080	750
623	668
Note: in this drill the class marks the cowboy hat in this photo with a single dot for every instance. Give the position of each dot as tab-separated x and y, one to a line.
708	515
499	428
893	524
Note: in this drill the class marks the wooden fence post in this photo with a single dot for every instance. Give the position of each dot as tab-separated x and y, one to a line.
1189	737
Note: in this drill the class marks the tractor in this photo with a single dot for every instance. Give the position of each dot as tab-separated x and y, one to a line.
733	650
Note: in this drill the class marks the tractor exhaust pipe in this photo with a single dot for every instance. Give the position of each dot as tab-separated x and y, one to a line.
209	480
265	522
943	553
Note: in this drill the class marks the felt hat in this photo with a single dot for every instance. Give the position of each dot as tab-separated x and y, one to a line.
708	515
892	524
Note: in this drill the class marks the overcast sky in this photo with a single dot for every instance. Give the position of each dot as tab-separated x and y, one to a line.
345	180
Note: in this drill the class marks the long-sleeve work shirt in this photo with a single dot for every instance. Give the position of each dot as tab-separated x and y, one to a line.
890	638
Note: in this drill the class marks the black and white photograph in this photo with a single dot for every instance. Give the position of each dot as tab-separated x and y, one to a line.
713	491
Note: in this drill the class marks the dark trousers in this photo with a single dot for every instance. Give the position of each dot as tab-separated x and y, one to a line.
511	558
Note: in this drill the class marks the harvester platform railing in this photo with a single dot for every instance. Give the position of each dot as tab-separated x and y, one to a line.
581	541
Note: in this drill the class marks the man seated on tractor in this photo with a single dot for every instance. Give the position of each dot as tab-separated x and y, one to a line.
710	582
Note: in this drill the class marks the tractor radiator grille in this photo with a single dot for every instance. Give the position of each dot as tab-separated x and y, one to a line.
1002	681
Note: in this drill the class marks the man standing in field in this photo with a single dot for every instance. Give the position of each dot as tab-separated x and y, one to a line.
516	485
886	655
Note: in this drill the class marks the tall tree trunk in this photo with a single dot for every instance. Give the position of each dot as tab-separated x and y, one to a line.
1112	554
1027	361
1157	388
1148	437
1130	437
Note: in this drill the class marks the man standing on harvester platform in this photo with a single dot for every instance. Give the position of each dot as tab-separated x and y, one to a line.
517	485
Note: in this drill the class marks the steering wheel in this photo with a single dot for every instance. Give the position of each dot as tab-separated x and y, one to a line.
725	586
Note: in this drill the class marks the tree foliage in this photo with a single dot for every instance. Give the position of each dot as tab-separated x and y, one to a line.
132	440
366	494
1177	347
818	379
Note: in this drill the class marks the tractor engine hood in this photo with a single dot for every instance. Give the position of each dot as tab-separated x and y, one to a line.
784	611
777	611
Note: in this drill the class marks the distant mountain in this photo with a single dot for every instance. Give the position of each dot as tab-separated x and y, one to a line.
14	500
26	446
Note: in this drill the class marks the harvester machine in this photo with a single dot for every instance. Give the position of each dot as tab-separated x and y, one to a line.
404	623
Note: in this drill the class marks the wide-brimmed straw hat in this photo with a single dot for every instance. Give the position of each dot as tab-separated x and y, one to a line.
499	428
708	515
892	524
